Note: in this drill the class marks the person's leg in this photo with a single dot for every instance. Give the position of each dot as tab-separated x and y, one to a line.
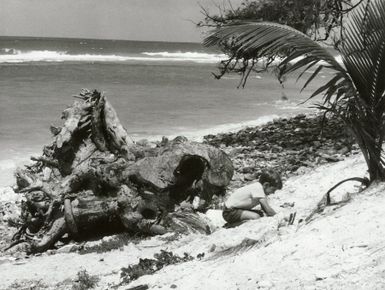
231	215
249	215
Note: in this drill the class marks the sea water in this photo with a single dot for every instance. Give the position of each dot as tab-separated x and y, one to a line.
157	88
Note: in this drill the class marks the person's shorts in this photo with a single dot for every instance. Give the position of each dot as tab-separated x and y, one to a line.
233	215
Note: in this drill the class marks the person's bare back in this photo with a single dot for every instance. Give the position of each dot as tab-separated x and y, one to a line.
240	204
246	197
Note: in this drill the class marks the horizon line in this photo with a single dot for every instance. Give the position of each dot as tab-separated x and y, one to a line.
90	38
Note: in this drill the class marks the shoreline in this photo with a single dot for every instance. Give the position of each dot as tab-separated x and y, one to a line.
8	164
308	244
291	146
304	185
287	145
236	140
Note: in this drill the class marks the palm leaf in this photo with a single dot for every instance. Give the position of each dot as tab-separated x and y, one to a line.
356	92
264	39
363	53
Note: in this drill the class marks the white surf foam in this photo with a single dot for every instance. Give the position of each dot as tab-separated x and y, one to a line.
191	56
231	127
11	55
198	135
16	56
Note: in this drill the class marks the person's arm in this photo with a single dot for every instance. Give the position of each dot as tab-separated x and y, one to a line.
266	207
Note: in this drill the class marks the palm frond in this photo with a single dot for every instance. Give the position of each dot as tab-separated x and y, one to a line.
264	39
356	92
363	53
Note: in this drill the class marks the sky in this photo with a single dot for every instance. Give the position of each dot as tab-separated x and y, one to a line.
160	20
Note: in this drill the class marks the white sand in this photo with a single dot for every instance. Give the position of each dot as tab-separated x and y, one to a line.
340	249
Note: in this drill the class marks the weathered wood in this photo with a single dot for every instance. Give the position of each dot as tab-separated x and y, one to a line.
93	179
97	134
57	230
69	217
72	116
119	140
49	162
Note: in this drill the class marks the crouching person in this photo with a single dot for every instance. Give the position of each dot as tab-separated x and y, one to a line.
241	203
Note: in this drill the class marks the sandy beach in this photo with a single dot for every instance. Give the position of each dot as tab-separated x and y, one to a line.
339	248
210	145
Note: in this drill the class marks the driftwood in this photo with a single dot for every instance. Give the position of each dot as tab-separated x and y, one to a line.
93	180
326	199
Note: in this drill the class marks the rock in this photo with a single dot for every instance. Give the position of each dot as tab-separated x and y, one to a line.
331	158
287	204
276	149
343	150
143	142
248	169
286	145
300	117
301	170
236	151
249	177
139	287
68	248
321	275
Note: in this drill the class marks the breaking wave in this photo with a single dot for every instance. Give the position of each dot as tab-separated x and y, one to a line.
191	56
10	55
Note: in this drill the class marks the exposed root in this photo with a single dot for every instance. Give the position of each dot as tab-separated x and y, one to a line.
92	180
326	201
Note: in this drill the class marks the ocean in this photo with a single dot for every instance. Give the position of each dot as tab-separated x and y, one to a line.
157	88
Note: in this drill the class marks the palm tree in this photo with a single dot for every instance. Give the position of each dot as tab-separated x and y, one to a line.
355	93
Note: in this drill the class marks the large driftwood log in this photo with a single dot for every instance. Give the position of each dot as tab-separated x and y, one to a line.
93	179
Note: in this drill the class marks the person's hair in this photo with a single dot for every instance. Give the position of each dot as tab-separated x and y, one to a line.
272	177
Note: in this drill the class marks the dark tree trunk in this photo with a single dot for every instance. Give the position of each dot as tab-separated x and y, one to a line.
370	141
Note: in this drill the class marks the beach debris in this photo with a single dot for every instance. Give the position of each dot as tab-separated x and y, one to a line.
292	218
139	287
287	204
93	180
150	266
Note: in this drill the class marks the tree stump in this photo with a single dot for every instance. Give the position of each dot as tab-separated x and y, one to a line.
92	179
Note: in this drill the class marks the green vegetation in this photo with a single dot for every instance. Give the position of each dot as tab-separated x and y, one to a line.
322	20
307	16
150	266
355	93
85	281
